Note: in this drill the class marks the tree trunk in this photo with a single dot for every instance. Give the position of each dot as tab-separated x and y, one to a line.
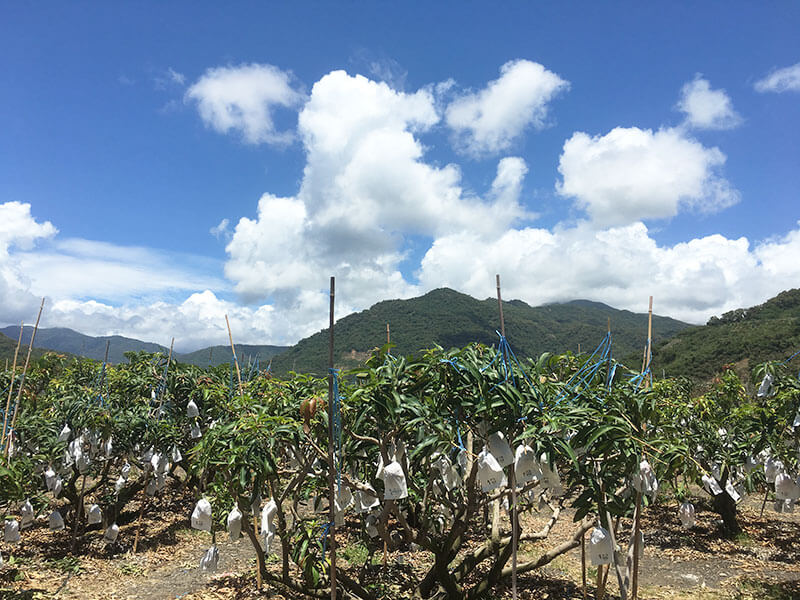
725	507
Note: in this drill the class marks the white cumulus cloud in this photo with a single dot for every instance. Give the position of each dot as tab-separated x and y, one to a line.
706	108
243	99
366	188
489	120
620	266
786	79
630	174
372	200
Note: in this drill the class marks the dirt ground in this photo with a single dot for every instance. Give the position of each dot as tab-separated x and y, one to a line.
763	562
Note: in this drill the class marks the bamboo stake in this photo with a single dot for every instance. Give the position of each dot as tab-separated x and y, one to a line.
24	372
385	543
235	362
608	370
331	483
599	592
105	362
166	373
583	564
637	527
650	341
512	476
11	384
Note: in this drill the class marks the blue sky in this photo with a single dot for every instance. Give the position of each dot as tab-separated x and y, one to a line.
605	151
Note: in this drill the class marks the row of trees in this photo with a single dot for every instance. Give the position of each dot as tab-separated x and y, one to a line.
424	453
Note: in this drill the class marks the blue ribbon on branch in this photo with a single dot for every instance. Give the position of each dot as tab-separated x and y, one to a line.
589	369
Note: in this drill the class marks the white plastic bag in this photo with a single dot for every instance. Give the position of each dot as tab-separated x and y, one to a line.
766	386
366	500
11	532
201	515
82	462
771	469
58	486
550	478
192	410
26	512
65	433
461	460
75	448
120	483
686	514
196	433
394	481
210	559
732	491
50	478
176	455
56	521
751	464
711	485
371	525
490	473
343	501
152	487
645	481
235	524
526	467
95	515
601	549
126	471
110	536
500	449
786	488
448	474
107	447
267	524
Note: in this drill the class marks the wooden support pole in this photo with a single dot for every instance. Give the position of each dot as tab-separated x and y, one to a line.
233	350
331	464
24	372
105	363
637	528
11	385
583	564
500	307
650	342
512	476
388	337
166	373
608	370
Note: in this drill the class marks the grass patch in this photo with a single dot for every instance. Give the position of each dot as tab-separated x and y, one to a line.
68	564
355	553
751	589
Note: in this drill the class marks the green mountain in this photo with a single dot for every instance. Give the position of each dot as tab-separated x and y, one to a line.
62	339
452	319
7	347
746	336
246	354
